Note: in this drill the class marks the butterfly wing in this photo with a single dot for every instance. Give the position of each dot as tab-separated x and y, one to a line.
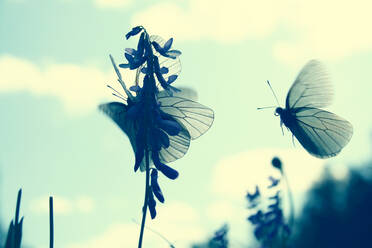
117	112
312	88
193	116
178	144
322	133
183	92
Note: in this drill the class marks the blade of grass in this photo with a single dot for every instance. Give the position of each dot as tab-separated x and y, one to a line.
51	224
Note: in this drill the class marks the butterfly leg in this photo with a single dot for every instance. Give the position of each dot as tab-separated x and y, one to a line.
293	141
282	129
281	126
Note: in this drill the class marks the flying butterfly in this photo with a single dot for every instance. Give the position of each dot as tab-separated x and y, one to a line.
322	133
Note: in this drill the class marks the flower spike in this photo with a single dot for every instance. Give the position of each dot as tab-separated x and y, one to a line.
133	32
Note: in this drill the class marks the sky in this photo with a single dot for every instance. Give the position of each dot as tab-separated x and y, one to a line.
54	68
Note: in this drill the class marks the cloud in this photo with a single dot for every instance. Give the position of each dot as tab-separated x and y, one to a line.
326	31
62	205
117	235
221	20
112	3
296	30
84	204
176	221
236	174
79	87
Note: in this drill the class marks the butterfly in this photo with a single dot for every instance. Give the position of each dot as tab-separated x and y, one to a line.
194	118
322	133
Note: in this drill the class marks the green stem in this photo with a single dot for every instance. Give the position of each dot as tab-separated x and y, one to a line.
148	97
144	209
51	225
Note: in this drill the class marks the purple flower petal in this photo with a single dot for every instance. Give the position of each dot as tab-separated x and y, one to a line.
172	78
155	186
166	170
157	47
173	54
168	44
171	127
131	51
133	32
152	205
164	70
144	70
124	65
129	58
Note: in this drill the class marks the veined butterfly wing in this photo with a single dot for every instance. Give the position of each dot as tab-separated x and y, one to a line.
194	117
322	133
312	88
178	144
171	105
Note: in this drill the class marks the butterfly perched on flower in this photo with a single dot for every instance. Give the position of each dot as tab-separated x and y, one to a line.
194	118
322	133
158	123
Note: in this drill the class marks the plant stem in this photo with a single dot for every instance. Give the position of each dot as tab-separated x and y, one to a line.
149	97
51	225
144	209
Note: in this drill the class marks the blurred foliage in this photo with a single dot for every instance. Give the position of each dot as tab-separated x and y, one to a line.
271	228
219	239
337	212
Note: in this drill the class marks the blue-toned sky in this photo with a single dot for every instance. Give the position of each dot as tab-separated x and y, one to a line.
54	67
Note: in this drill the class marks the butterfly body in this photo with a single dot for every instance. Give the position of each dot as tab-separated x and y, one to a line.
286	117
322	133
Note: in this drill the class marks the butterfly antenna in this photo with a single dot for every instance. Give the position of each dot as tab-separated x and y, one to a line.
273	92
267	107
117	92
122	98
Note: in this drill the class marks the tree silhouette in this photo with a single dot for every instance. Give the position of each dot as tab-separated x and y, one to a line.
337	213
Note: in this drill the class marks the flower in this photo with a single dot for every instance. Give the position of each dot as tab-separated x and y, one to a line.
220	238
253	199
158	124
135	58
164	51
269	223
133	32
274	182
159	75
